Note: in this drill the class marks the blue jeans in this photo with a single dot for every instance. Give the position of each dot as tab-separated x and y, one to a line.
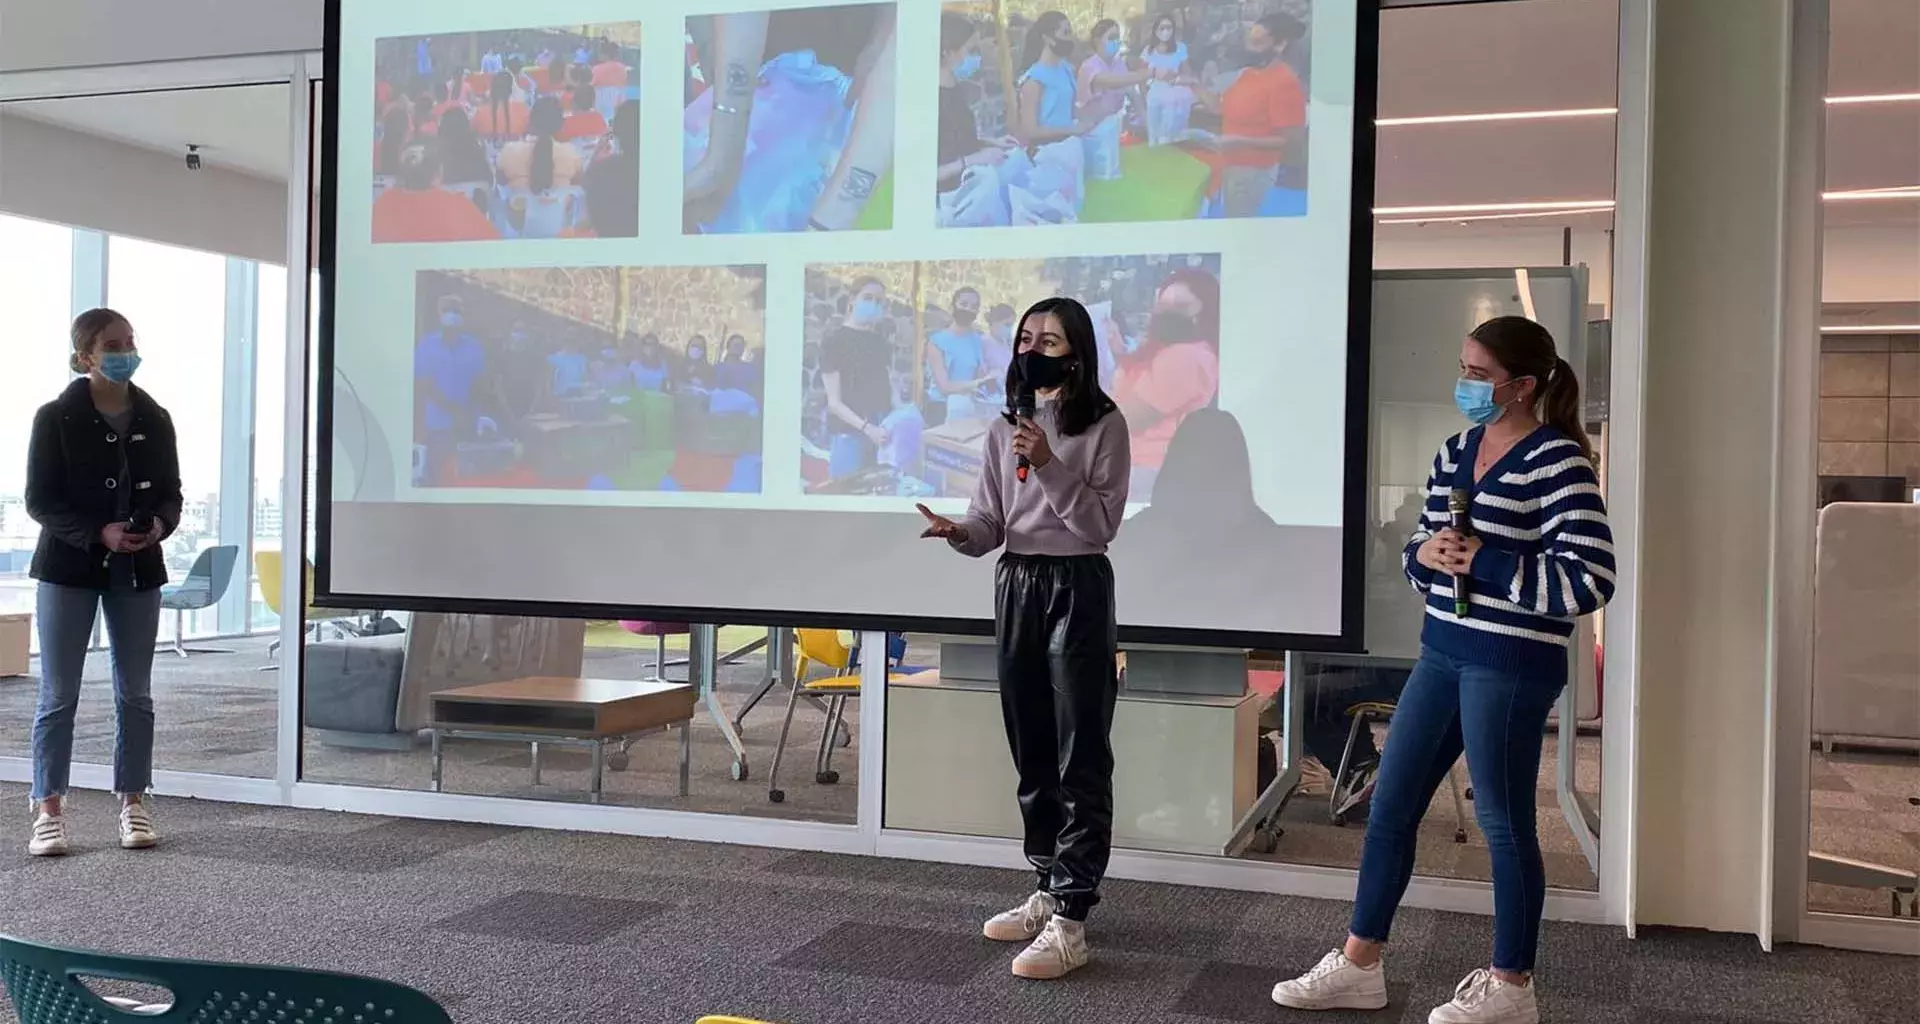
65	620
1498	718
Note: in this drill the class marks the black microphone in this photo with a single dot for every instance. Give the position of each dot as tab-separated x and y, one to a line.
1459	504
1022	410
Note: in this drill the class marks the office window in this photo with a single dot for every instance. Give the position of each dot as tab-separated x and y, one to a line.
36	288
177	301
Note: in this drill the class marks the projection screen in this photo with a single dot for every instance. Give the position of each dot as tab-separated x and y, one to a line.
676	309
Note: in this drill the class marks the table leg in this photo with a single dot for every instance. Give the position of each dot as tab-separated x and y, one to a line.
436	759
536	762
779	644
703	644
686	757
599	755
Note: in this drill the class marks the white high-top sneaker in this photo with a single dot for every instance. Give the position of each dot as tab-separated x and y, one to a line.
1483	998
1060	950
1023	922
1336	983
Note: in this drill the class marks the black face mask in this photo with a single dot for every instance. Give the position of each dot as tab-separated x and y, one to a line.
1260	58
964	317
1063	47
1167	326
1040	372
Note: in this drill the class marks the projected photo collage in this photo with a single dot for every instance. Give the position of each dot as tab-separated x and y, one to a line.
633	378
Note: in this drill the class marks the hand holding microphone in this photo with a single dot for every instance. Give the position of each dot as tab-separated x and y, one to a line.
1030	445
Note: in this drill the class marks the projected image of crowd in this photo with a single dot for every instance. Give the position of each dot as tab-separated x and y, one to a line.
1060	112
605	378
905	364
510	134
789	122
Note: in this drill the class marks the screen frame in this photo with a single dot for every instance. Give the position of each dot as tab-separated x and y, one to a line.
1354	503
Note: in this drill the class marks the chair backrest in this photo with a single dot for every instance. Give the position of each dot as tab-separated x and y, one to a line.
1866	598
48	986
546	215
214	569
823	648
267	565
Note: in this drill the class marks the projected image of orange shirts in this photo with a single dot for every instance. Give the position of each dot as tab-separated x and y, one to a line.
1261	104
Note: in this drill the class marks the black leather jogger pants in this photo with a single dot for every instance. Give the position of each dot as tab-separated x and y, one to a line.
1054	621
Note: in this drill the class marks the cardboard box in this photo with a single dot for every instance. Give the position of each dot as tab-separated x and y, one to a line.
16	628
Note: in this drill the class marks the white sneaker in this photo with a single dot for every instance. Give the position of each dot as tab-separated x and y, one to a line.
1060	950
1023	922
136	827
1484	999
1336	983
49	836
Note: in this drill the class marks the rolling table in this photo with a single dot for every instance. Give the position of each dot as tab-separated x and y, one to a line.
591	713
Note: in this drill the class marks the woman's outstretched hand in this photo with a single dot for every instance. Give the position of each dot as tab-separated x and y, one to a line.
941	528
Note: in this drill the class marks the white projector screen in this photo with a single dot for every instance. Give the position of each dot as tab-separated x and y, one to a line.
608	289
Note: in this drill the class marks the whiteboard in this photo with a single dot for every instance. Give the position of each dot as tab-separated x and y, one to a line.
1419	320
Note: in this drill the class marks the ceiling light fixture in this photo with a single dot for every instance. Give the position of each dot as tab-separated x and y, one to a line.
1858	194
1883	97
1493	216
1558	205
1871	329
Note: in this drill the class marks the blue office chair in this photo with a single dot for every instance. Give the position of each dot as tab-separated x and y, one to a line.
49	986
205	585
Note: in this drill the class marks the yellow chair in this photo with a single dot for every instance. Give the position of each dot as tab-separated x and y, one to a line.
820	648
268	566
728	1020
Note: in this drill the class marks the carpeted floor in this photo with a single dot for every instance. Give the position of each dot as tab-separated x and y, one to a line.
509	926
217	712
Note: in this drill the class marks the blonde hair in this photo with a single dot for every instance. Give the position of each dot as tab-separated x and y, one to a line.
87	328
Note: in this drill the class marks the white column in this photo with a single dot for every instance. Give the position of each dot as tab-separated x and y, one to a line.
1724	284
235	515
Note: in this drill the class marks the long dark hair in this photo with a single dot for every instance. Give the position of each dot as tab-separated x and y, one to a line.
1525	349
396	130
1153	35
1040	36
546	121
1082	403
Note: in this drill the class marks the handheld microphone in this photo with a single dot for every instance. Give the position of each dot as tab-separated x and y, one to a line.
1023	404
1459	503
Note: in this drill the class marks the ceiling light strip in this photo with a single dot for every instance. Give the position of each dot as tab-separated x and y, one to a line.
1870	329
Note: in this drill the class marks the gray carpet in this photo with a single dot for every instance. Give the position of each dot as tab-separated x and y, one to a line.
506	925
217	714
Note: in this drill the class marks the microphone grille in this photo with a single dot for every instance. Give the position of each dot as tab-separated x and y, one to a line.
1459	500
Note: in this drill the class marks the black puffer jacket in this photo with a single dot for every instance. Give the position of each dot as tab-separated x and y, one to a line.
74	465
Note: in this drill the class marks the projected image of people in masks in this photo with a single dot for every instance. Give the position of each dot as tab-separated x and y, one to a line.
510	133
789	122
1149	110
590	379
910	361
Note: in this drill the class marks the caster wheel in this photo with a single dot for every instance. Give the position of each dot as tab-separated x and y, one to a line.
827	778
1266	843
1340	820
619	761
777	796
843	737
1469	793
1460	836
738	771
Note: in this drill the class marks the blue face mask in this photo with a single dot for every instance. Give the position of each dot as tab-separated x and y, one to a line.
968	67
1475	401
868	310
450	320
1111	48
118	367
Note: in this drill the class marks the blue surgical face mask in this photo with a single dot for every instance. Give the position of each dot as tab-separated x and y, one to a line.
118	367
1475	401
968	67
1111	48
450	320
868	310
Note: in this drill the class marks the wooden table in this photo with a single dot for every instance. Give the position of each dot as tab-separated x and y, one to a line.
575	712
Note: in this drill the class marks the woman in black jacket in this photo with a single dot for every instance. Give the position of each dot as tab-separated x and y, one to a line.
103	482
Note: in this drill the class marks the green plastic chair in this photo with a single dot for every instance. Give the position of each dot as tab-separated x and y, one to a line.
46	983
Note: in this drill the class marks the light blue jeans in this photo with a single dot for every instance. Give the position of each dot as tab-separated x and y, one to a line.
65	619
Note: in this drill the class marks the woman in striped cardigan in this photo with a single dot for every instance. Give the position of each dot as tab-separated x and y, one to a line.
1493	662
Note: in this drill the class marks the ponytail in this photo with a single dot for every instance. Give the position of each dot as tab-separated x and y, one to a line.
1560	406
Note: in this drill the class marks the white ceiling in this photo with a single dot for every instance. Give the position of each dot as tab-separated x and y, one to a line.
1476	58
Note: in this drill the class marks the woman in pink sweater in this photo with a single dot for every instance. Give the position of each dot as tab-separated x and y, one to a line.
1052	491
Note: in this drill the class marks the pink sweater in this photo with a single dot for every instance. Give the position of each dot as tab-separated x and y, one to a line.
1070	506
